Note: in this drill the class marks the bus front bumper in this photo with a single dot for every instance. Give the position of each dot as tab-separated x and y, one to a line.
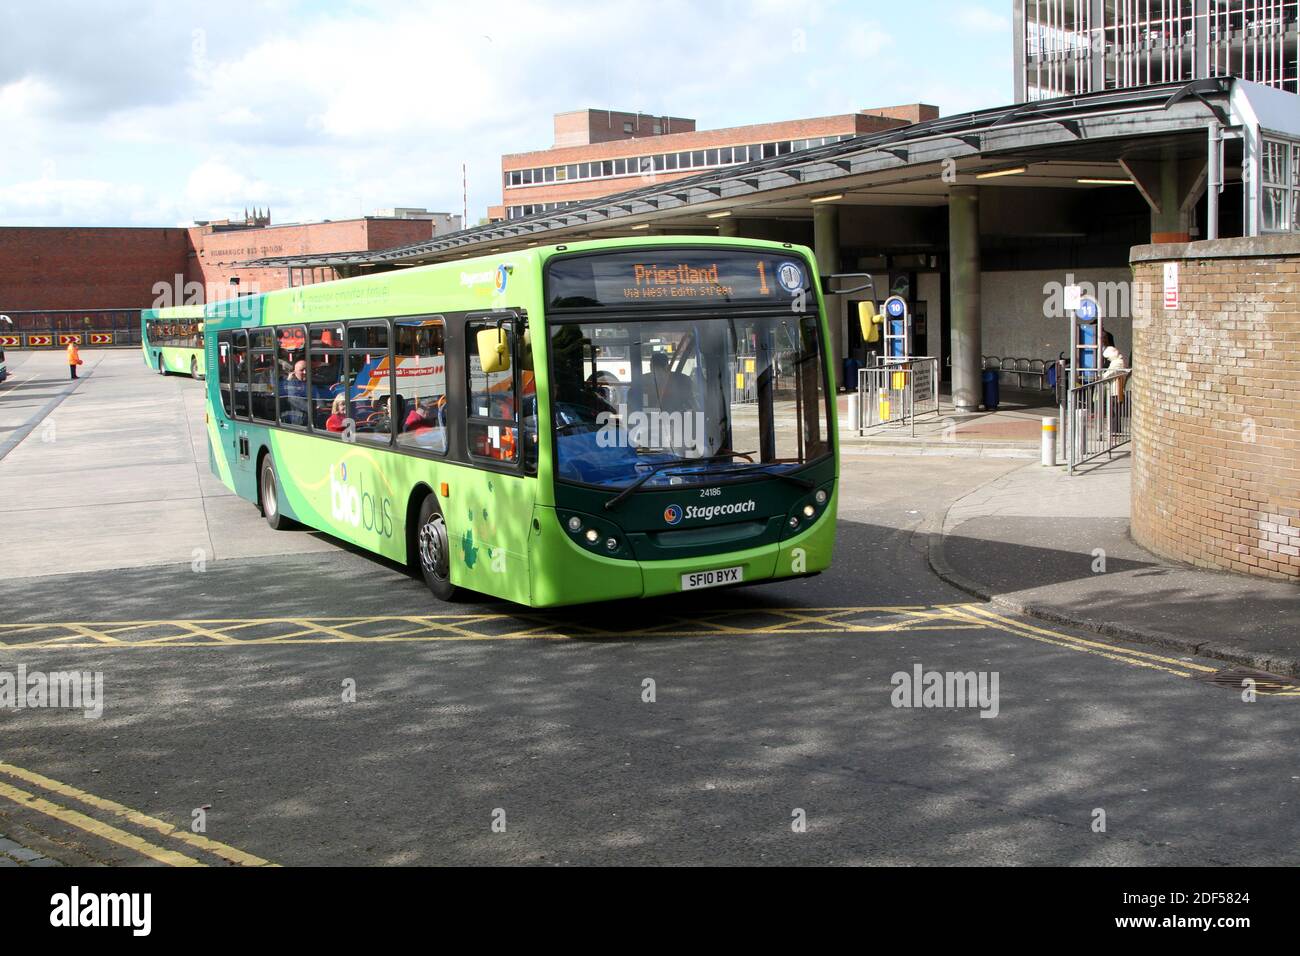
564	573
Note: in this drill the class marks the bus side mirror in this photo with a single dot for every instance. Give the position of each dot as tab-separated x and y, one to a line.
494	350
869	321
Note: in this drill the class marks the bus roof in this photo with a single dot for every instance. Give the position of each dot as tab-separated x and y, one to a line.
467	284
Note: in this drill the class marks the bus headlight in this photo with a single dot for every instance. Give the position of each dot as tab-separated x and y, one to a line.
575	524
794	521
611	544
809	511
593	535
820	497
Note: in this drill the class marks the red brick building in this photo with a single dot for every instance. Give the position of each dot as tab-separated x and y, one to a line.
68	278
602	152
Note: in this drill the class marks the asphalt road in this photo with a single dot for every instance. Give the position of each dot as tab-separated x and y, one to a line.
771	705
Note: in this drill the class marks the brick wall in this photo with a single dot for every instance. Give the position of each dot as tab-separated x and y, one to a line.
86	268
1216	405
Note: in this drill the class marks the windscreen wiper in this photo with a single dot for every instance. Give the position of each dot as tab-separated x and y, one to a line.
762	470
676	463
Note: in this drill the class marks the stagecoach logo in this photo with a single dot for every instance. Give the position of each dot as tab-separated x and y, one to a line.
674	514
790	276
503	276
357	506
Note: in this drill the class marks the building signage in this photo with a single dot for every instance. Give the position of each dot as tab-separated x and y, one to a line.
1171	286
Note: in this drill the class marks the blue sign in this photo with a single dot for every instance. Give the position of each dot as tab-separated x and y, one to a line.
1087	310
895	307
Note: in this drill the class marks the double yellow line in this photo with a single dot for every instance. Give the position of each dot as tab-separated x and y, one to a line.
124	814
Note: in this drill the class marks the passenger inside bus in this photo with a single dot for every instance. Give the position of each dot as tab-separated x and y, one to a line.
338	414
294	392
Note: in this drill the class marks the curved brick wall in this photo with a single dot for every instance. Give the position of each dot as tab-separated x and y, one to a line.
1216	405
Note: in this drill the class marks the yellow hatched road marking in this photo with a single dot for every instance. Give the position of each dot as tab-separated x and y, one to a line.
96	828
216	848
553	626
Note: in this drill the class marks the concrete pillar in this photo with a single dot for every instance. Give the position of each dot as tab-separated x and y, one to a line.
964	266
826	247
1172	187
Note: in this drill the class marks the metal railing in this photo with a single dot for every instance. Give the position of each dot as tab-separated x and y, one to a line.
896	392
1097	417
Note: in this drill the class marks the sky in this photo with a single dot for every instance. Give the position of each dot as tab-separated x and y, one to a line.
141	113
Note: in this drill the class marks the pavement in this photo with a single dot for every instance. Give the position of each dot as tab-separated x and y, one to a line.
115	469
1057	547
1014	430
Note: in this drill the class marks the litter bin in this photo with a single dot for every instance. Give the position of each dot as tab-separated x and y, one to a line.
851	367
991	390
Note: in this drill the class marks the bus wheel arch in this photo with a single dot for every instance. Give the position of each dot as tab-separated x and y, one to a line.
428	544
268	491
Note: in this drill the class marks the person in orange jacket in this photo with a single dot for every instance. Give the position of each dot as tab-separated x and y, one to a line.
74	358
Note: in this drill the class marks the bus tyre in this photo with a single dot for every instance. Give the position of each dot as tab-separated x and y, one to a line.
194	367
432	550
269	496
162	369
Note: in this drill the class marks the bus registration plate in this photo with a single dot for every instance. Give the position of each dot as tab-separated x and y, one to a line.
712	579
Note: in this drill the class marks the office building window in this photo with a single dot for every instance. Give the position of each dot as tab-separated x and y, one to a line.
1280	186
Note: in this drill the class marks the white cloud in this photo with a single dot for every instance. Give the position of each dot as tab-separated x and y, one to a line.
194	110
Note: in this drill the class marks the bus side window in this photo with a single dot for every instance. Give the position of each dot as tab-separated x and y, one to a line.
326	380
422	384
239	373
368	391
291	374
262	342
223	359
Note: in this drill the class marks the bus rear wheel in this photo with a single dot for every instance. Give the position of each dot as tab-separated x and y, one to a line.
269	498
433	551
194	367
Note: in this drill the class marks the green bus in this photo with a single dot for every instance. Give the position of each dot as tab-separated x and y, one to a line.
606	419
172	340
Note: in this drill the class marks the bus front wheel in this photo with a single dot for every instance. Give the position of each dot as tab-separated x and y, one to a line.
194	367
269	497
433	552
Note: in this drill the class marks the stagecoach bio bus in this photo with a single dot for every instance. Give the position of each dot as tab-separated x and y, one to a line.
172	339
599	420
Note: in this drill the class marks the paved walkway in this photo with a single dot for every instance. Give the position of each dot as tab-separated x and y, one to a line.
113	468
1057	547
1013	431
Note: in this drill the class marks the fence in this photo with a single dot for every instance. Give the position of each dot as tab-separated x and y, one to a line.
52	329
896	392
1097	418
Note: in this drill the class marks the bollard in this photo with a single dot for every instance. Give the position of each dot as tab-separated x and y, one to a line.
1049	442
855	411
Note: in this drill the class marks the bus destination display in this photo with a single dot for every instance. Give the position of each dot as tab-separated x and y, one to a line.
678	276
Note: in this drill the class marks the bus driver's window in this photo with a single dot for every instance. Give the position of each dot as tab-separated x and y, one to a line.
492	407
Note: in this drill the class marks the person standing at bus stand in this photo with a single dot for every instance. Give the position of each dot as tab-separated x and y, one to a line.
74	358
